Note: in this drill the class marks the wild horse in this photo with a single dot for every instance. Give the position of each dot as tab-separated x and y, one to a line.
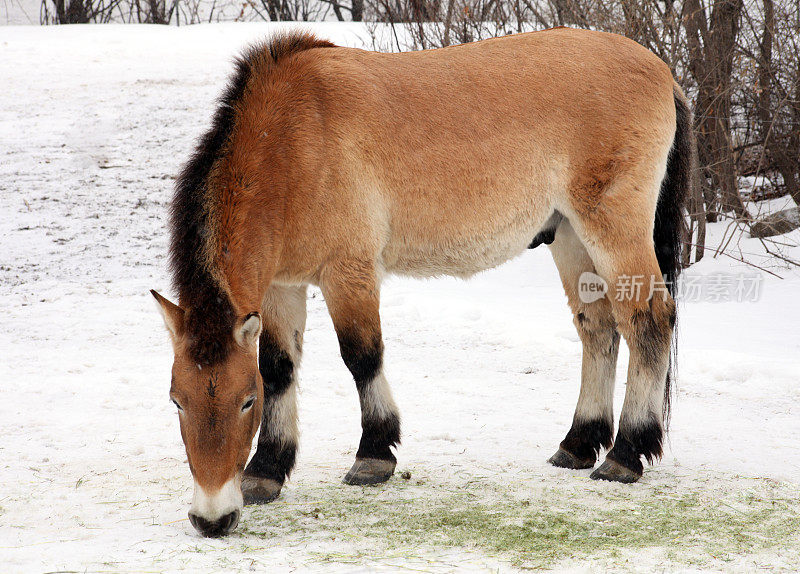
335	167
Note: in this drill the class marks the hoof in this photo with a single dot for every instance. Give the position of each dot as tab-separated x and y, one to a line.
565	459
369	471
260	490
614	471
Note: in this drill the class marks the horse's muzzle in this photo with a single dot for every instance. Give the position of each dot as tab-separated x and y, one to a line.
225	525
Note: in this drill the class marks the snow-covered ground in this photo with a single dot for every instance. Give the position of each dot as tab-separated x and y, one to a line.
94	123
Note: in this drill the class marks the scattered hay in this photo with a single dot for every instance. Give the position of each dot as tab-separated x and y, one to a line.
538	525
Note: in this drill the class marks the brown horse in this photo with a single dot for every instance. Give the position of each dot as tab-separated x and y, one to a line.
334	167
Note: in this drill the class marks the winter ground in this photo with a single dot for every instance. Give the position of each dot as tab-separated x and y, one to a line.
94	122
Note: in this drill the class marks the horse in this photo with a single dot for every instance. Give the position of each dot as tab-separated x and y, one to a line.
335	167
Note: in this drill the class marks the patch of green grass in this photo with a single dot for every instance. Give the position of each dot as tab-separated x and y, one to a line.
536	527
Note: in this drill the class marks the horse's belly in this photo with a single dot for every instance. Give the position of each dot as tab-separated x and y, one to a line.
460	255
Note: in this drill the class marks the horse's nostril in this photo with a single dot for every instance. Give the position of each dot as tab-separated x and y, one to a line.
229	521
201	524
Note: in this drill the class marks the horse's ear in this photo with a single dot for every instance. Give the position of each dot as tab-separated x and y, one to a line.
172	314
247	334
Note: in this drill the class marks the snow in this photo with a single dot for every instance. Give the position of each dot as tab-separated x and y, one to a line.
94	124
15	12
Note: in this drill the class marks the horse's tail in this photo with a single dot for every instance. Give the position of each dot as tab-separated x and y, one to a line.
669	224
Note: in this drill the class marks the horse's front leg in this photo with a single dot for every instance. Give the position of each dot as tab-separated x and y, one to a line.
351	291
280	347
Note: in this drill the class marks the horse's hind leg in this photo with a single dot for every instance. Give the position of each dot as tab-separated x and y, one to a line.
351	293
593	422
284	319
647	326
619	239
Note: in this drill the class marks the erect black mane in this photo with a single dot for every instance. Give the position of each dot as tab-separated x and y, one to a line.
210	314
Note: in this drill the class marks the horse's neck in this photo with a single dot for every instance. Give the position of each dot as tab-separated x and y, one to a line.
248	257
251	209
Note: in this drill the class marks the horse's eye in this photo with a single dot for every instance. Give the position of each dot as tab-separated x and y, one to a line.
248	404
174	402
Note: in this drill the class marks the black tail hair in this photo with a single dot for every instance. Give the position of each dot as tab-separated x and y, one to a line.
669	229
